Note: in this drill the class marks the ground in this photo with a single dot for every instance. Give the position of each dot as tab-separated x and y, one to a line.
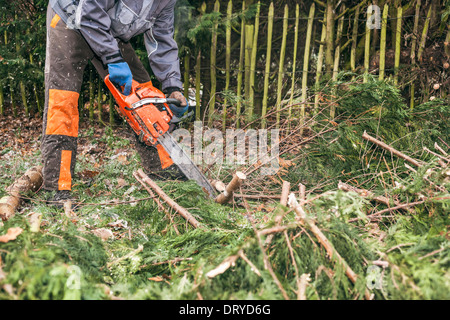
120	245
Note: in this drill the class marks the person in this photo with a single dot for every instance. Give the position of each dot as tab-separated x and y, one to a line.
99	31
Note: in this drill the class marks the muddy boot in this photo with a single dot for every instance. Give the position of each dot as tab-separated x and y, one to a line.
61	197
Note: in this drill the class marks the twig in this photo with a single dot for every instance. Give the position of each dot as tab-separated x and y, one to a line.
267	264
391	149
252	266
304	281
367	194
127	256
331	251
402	206
286	188
399	246
257	196
444	142
277	229
438	148
439	188
431	253
435	154
160	206
224	266
176	260
291	252
175	206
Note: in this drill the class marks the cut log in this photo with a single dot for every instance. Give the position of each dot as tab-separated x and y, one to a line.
31	181
234	185
218	185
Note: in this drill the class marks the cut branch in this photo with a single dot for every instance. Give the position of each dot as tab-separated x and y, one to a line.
285	193
331	251
175	206
391	149
368	194
235	184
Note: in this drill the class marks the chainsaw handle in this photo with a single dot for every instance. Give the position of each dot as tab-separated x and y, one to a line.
114	89
176	102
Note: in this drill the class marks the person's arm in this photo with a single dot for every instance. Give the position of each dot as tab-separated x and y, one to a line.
163	50
94	23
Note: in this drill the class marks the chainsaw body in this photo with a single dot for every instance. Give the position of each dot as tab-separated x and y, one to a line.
146	110
148	113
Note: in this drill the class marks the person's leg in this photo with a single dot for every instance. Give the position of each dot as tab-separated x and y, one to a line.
66	58
149	155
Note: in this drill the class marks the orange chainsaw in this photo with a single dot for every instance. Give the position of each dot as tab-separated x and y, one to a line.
148	113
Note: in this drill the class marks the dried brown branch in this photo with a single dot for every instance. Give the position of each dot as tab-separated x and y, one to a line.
224	266
331	251
285	193
368	194
171	203
438	148
436	155
391	149
399	207
159	204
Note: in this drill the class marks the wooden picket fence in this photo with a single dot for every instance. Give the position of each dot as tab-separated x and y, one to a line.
323	27
264	68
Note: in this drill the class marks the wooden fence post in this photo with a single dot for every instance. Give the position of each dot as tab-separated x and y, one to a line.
329	56
227	62
198	70
367	47
212	102
306	64
398	42
249	31
354	39
253	64
2	101
413	50
91	95
281	65
22	88
268	64
187	67
294	61
320	62
241	66
11	89
337	55
383	42
198	86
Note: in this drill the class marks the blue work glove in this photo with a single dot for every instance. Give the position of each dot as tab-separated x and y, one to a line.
179	111
120	74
